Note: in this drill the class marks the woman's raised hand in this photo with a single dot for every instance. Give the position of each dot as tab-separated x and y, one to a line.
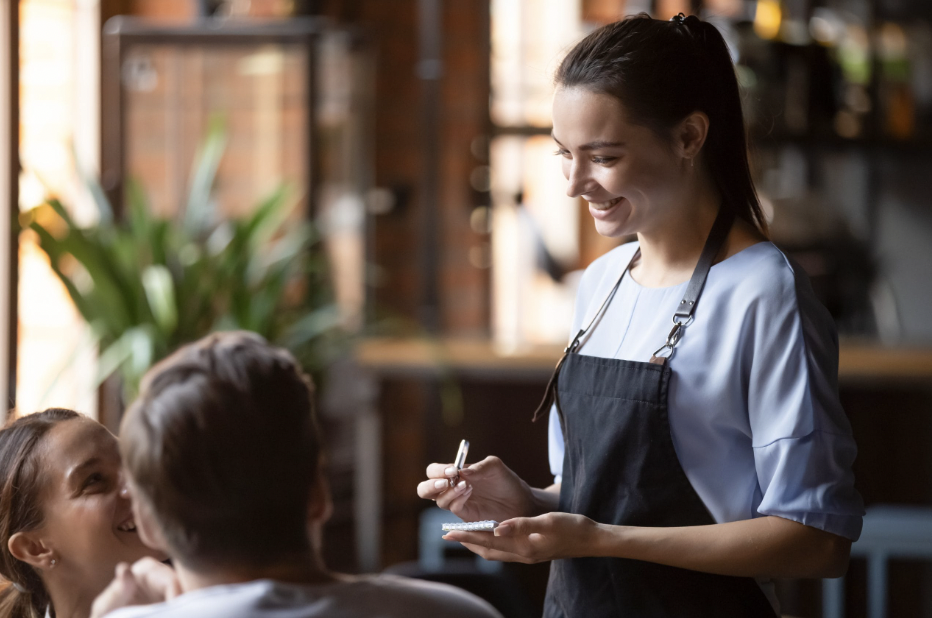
486	490
146	581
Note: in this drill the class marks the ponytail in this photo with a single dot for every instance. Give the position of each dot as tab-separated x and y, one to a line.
18	602
662	71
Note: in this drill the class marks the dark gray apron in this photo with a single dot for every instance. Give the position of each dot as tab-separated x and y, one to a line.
620	468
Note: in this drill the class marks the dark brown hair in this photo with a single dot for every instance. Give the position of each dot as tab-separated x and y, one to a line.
20	509
662	71
223	447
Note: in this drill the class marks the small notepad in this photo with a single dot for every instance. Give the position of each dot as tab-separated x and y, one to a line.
471	526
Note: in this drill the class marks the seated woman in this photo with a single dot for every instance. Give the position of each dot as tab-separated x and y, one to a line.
65	517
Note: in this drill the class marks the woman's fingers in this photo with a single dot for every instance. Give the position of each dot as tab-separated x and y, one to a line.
456	497
441	470
120	593
437	485
157	580
481	539
488	464
496	554
432	488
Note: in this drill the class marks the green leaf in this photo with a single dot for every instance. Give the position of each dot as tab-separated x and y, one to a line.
268	218
160	292
199	210
140	223
312	325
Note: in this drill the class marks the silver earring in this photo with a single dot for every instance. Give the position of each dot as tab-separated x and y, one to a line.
53	563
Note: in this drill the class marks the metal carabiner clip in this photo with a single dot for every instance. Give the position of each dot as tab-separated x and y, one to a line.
676	333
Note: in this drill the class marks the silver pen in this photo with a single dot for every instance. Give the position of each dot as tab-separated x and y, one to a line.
460	461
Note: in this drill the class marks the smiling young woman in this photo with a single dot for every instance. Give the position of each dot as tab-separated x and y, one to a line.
65	518
695	459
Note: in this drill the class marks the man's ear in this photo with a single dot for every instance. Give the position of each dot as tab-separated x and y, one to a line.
28	547
320	502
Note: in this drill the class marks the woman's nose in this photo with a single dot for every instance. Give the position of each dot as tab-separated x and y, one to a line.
576	180
124	489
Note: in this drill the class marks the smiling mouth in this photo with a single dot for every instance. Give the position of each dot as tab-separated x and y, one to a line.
127	526
605	205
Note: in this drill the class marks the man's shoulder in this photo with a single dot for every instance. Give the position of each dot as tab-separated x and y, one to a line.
411	593
383	596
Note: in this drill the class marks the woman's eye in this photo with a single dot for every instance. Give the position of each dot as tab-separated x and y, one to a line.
92	480
603	160
561	152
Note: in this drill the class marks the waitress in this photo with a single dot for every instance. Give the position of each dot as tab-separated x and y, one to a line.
697	441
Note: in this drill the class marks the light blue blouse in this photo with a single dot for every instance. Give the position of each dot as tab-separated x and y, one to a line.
753	399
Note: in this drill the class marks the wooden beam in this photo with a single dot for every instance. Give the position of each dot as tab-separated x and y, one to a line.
9	197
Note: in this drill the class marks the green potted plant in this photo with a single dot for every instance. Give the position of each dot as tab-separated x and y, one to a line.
147	284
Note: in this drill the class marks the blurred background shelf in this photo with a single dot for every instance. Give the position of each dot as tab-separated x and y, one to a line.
859	361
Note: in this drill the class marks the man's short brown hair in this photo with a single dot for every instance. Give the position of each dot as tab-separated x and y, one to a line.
223	445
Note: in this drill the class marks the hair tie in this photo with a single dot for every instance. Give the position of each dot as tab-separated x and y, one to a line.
679	19
19	588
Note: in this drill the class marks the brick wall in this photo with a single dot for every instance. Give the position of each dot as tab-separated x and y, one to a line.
168	10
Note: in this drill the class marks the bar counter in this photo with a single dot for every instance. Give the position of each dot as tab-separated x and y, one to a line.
390	357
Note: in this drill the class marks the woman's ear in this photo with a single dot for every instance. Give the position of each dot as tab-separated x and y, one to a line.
691	134
28	547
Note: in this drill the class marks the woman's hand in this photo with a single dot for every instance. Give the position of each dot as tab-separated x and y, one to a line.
486	490
146	581
763	547
533	539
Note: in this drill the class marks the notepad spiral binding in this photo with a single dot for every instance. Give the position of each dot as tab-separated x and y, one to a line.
472	526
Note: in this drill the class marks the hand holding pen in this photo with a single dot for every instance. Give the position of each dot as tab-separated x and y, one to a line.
486	490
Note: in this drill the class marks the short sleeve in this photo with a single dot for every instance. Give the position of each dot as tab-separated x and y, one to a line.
802	440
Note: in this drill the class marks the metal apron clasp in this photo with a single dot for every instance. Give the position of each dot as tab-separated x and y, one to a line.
676	333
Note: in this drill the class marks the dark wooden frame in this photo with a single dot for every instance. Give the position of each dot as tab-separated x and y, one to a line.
9	168
121	33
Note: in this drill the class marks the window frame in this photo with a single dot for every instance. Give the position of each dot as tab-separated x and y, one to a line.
9	198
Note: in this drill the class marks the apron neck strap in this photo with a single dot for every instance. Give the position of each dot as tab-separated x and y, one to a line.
713	244
550	392
684	312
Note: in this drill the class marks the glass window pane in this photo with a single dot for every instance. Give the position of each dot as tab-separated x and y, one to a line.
529	38
55	361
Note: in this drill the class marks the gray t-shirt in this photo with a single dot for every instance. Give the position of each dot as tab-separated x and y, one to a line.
381	596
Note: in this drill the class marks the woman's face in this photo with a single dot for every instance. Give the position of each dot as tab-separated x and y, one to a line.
629	175
87	515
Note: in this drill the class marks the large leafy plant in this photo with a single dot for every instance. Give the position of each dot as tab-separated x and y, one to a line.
147	284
